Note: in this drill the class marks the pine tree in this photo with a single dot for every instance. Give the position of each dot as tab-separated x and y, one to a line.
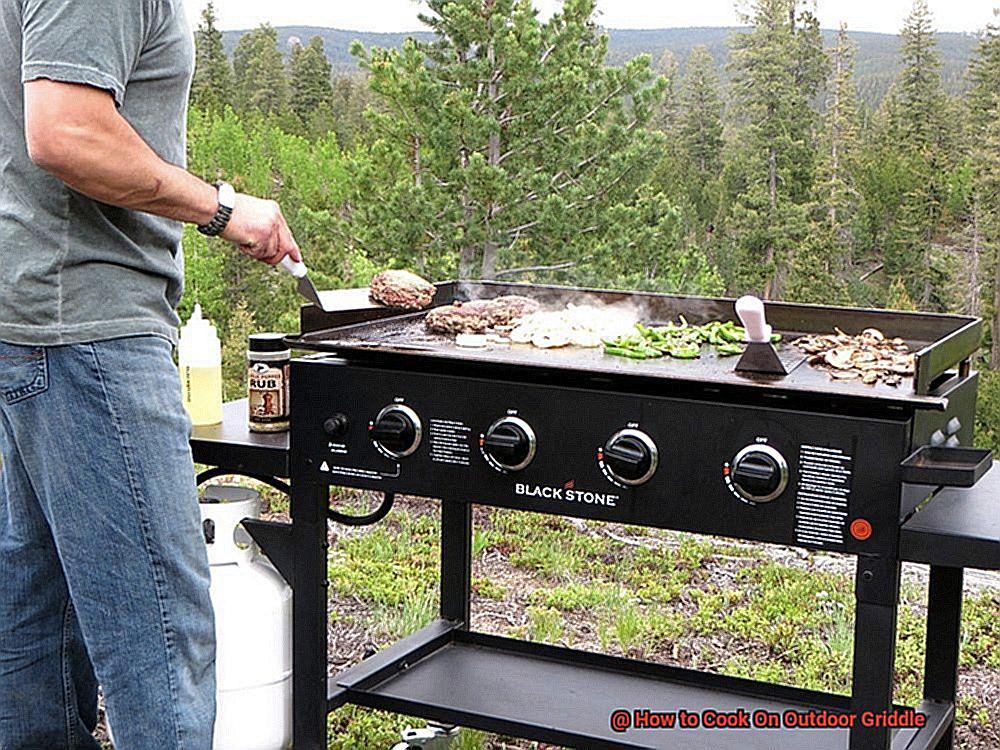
212	87
666	115
816	274
841	136
503	139
700	129
984	106
671	174
311	76
777	68
920	133
819	270
984	74
987	213
258	65
918	94
240	325
351	97
899	298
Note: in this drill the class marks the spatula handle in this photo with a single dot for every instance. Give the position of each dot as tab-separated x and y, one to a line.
751	312
298	270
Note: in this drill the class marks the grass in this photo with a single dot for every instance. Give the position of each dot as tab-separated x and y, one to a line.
579	597
392	565
981	632
487	588
622	631
559	555
545	625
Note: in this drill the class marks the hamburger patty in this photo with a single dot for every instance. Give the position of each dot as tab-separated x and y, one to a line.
402	290
505	310
479	316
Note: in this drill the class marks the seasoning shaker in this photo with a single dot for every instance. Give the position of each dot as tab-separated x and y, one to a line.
269	362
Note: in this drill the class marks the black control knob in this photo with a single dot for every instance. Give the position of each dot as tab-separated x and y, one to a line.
511	443
631	457
337	426
397	430
759	473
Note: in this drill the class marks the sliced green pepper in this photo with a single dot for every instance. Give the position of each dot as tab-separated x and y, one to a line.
729	350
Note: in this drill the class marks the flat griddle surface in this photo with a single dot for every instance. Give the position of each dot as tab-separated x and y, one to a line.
941	342
406	335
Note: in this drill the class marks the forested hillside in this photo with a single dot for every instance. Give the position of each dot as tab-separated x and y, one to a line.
498	145
877	54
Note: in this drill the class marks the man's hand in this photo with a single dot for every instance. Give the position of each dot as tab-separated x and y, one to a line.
259	229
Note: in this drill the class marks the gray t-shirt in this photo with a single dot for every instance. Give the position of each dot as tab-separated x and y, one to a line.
73	269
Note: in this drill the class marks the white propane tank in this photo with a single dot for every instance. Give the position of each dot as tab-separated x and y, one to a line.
253	627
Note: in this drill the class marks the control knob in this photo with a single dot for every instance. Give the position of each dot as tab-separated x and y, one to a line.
337	426
759	473
631	457
510	443
397	430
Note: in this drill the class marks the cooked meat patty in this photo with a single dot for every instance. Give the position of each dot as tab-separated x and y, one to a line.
402	290
505	310
461	317
479	316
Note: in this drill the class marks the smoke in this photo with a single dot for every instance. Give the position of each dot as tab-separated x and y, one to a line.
641	307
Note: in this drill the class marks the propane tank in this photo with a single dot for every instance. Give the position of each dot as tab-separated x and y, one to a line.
253	627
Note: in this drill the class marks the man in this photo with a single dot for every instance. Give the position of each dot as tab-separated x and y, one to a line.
103	574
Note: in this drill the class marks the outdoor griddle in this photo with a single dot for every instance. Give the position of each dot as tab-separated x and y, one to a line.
882	473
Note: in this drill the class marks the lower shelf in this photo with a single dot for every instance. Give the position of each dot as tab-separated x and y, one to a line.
566	697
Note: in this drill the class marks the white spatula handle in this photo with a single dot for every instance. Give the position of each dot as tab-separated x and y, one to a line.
751	312
298	270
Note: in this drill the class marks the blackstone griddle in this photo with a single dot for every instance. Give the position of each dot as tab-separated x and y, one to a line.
840	467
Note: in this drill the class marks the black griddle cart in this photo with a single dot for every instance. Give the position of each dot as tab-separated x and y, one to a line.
852	469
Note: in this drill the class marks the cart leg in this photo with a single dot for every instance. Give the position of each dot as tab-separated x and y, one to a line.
877	593
456	560
309	606
944	625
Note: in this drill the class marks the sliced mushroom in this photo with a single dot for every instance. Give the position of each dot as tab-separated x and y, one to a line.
870	356
840	358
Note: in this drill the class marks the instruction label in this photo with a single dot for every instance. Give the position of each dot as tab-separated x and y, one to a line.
825	476
451	442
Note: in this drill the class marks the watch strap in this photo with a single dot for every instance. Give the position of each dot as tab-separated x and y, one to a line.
220	221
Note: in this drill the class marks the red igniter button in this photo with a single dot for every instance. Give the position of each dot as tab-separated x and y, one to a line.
861	529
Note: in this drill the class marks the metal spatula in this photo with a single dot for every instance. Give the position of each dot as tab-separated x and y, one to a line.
305	286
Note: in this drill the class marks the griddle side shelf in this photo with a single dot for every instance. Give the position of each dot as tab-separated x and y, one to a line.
958	528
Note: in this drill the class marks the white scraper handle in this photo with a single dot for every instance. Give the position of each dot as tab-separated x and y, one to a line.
751	312
298	270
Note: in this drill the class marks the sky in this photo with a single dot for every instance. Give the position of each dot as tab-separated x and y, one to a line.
401	15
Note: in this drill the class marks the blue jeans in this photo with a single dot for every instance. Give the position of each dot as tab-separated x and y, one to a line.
103	571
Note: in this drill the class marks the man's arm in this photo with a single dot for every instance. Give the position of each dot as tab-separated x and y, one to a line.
76	133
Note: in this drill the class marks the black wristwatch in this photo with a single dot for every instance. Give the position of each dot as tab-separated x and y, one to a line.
227	202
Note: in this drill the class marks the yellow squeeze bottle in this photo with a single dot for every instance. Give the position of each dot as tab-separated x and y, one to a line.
199	356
